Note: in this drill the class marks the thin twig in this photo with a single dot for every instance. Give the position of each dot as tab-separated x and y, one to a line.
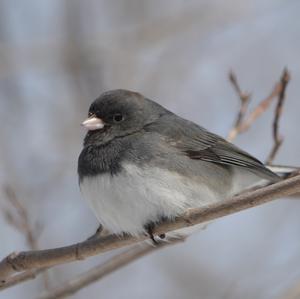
20	278
257	111
285	78
19	219
18	262
96	273
244	102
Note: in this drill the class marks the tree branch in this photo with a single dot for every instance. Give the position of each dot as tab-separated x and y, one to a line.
22	277
20	220
260	109
285	78
244	102
17	262
118	261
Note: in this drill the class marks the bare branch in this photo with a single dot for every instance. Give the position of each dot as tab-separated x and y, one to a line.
17	262
244	101
116	262
19	219
259	110
285	78
22	277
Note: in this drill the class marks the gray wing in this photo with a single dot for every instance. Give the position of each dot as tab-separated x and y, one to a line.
199	144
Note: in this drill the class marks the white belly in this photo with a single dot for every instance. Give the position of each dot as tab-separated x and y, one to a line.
127	201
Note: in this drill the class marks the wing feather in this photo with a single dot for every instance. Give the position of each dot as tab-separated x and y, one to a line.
199	144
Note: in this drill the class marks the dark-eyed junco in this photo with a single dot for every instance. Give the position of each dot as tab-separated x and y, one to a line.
141	163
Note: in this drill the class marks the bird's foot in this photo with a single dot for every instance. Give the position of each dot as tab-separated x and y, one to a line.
149	227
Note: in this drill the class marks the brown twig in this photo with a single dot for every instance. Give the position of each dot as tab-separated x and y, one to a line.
96	273
258	110
285	78
23	261
20	278
19	219
244	102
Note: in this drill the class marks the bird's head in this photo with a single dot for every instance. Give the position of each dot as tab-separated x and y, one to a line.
119	113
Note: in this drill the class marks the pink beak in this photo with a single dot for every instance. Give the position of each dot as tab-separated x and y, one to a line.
93	123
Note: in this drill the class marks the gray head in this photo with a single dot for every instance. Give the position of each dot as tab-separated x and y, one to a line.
118	113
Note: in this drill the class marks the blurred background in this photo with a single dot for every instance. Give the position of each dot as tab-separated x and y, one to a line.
56	57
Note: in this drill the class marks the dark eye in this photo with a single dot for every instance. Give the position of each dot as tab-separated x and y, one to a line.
118	117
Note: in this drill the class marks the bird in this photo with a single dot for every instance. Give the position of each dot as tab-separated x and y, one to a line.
142	164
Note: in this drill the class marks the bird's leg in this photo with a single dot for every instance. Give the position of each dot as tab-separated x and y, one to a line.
149	227
97	233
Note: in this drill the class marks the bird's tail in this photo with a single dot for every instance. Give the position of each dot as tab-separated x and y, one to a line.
284	171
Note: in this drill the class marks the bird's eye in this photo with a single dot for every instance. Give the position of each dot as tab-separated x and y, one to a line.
118	117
